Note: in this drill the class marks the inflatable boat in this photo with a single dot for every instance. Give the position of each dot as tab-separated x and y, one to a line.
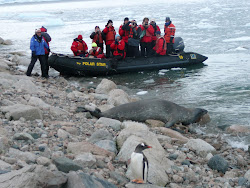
84	66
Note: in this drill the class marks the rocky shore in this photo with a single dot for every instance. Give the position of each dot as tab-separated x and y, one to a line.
47	140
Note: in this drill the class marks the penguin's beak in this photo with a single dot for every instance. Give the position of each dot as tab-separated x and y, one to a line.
149	147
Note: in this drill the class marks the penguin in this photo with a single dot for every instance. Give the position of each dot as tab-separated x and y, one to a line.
139	164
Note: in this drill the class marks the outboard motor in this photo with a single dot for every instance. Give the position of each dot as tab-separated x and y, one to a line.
178	45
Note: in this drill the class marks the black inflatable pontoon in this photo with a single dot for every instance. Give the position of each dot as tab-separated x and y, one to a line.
84	66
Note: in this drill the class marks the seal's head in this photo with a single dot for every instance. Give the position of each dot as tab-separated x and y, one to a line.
198	114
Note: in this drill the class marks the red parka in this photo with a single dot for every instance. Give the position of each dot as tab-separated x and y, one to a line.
119	49
169	32
110	34
77	45
124	34
157	29
160	46
149	33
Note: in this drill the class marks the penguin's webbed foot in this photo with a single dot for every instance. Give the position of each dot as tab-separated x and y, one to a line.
138	181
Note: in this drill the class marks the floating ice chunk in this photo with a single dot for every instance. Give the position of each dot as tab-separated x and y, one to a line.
239	39
238	144
149	81
178	68
51	22
91	82
141	92
161	73
164	70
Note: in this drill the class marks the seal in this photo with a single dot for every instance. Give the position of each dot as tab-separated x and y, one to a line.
157	109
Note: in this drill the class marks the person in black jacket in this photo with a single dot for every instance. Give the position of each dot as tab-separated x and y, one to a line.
133	40
96	37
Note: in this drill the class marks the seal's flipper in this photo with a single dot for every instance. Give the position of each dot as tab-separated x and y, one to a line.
170	124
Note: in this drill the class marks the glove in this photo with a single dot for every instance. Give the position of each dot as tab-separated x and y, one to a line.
166	24
49	50
33	54
171	39
116	42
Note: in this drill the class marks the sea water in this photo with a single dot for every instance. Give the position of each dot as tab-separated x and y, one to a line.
215	28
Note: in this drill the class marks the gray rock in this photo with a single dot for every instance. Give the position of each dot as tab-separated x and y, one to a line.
28	157
33	176
132	185
218	163
108	145
63	134
83	180
200	147
26	85
15	112
186	162
37	102
7	42
100	135
22	136
121	180
105	86
85	160
242	181
118	97
157	168
56	111
65	164
173	156
43	161
1	40
247	175
4	165
113	123
3	66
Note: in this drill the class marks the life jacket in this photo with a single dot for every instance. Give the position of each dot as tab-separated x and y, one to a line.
98	38
96	52
131	33
119	50
164	47
124	34
111	34
169	32
80	46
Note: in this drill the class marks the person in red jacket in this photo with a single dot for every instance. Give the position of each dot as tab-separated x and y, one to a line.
79	47
110	33
124	32
97	37
96	51
156	28
169	30
119	48
47	40
146	37
160	45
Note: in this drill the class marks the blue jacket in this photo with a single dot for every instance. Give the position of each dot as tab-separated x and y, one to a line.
37	46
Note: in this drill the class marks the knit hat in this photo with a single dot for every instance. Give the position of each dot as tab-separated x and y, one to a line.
117	35
152	20
110	21
79	37
126	19
168	19
94	44
43	29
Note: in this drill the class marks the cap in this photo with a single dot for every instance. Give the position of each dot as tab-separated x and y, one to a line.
43	29
157	32
152	20
97	27
94	44
167	19
117	35
126	19
79	37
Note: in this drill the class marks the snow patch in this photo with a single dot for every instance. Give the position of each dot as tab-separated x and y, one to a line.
239	39
141	92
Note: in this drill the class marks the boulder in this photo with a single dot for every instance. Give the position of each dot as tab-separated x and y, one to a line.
62	134
247	175
218	163
200	147
1	40
158	162
173	134
85	147
99	135
3	66
4	165
56	111
108	145
83	180
33	176
26	156
37	102
105	86
43	161
132	128
238	129
120	179
118	97
107	122
22	136
7	42
85	160
15	112
26	85
65	164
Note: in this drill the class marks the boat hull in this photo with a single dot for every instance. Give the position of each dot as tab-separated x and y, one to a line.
83	66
